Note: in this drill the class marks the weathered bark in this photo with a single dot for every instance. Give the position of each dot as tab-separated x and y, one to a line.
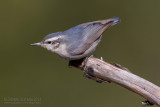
101	71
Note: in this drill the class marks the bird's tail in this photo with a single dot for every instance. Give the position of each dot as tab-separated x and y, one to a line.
116	20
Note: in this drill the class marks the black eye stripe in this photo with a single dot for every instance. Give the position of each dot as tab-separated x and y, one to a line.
53	42
48	42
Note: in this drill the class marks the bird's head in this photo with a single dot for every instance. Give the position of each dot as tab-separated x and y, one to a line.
51	42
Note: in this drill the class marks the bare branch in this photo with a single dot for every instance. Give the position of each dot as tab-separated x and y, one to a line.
100	71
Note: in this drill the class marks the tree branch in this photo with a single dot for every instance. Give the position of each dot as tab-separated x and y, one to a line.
101	71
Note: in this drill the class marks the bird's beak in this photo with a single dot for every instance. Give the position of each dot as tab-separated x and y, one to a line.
36	44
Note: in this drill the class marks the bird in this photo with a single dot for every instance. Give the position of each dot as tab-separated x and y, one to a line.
77	42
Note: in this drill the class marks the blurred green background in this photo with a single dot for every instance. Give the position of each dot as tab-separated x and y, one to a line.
28	72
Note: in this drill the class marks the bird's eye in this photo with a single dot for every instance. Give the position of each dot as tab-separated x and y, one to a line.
48	42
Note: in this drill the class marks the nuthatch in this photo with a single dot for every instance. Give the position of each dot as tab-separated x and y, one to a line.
77	42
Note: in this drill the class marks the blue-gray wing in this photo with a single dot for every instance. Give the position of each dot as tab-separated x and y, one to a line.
83	36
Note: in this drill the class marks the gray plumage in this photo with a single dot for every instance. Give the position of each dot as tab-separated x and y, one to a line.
77	42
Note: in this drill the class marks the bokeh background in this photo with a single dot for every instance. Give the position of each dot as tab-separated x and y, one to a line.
34	72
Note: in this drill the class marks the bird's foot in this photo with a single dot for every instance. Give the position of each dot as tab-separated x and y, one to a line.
89	72
85	62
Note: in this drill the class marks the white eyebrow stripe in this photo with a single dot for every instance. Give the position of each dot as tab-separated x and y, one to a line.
54	38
